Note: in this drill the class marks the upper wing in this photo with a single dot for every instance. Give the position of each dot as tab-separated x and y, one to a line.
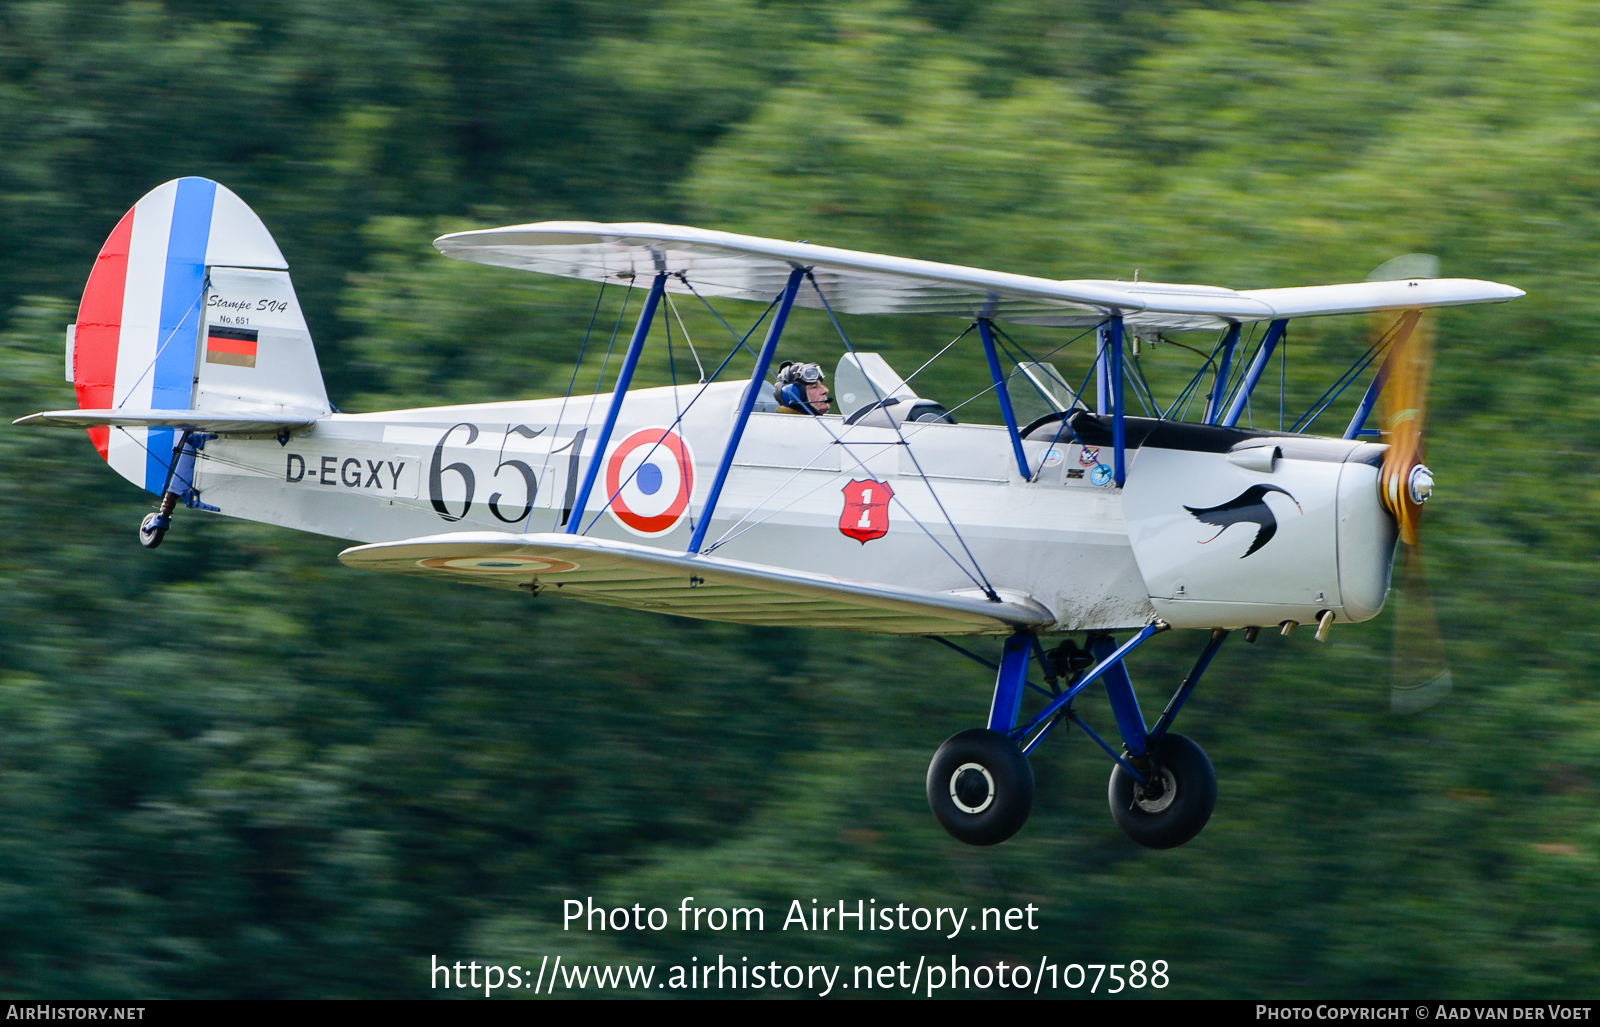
707	587
198	420
751	268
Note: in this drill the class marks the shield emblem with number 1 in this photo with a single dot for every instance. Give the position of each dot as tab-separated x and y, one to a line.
866	510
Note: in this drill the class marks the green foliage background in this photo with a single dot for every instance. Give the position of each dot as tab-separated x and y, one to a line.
234	768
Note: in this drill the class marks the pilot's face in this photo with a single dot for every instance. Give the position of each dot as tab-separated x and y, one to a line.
817	396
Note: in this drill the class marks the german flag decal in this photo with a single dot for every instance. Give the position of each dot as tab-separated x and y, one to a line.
235	346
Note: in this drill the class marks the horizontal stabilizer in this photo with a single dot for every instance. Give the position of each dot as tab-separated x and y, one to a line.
706	587
197	420
855	282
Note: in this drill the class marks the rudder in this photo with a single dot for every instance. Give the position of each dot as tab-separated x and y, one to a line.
189	307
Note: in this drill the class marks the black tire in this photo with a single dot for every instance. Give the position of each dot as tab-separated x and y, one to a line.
980	787
152	531
1180	806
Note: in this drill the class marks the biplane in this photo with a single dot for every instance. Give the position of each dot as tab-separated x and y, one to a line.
1070	519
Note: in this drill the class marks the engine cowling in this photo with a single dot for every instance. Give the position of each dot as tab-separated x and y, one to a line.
1232	528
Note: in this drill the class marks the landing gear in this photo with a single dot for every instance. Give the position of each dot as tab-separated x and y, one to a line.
1175	799
179	485
1163	788
154	528
980	787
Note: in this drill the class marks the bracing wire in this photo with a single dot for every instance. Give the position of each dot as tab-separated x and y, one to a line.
979	580
1066	420
1144	383
672	367
685	280
1283	375
1141	387
599	381
984	584
733	531
969	655
985	391
1345	380
1186	397
672	364
1077	396
1141	383
926	363
942	351
1246	358
164	342
611	345
685	329
678	420
147	452
571	383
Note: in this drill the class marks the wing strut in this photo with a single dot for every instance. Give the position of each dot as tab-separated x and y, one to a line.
981	579
739	343
1253	375
1219	383
1108	390
1399	334
1119	438
1003	394
624	377
758	378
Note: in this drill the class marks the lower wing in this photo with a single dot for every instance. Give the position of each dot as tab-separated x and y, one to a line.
641	577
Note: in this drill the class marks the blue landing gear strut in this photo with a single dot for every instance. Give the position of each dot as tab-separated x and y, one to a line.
179	486
1163	787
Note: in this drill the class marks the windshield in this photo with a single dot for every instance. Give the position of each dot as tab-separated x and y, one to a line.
1037	389
862	379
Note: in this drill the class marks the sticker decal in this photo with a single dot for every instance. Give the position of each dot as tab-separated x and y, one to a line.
1052	457
1101	475
866	510
1248	507
236	346
1088	456
650	475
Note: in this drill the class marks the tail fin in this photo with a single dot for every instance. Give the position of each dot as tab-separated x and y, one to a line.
189	307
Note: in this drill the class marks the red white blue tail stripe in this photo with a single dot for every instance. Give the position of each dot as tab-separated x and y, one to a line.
139	323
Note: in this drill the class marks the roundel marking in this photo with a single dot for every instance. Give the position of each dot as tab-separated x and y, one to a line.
514	564
651	476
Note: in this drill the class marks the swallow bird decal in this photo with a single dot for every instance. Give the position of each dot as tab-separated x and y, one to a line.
1248	507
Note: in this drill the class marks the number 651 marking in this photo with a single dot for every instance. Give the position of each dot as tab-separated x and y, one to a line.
438	468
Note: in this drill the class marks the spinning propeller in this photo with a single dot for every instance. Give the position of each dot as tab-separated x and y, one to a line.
1421	676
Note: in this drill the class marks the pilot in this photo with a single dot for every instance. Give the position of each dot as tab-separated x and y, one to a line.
800	389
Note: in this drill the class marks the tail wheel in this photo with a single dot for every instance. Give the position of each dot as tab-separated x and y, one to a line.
980	787
1174	801
152	530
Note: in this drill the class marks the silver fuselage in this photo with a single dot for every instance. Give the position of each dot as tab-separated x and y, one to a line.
1099	557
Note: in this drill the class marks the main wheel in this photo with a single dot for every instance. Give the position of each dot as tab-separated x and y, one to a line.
152	530
980	787
1175	803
